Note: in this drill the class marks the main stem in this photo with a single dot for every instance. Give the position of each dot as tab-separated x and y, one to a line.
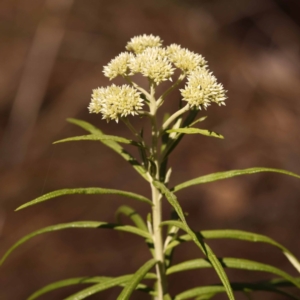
157	207
158	243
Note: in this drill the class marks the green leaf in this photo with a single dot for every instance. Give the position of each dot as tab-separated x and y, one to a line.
137	220
280	282
67	282
205	297
234	263
113	145
99	138
85	125
81	224
99	287
239	235
197	240
198	120
189	130
133	215
85	280
136	279
207	292
87	191
229	174
203	290
107	284
172	200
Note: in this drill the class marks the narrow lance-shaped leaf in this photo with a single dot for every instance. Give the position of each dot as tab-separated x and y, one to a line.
189	130
239	235
198	120
133	215
207	292
99	288
229	174
99	138
104	286
234	263
137	220
203	246
67	282
203	290
84	280
136	279
86	191
280	282
85	125
113	145
81	224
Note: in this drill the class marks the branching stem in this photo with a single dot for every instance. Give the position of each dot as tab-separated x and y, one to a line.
174	116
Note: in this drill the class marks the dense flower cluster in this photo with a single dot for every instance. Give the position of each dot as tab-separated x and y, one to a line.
139	43
152	63
202	88
185	59
114	102
149	58
118	65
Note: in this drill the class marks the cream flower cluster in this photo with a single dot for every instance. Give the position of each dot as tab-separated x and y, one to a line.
185	59
152	63
114	102
202	88
139	43
118	65
147	57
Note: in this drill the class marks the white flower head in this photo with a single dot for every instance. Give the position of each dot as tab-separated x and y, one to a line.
152	63
185	59
202	88
139	43
118	65
114	102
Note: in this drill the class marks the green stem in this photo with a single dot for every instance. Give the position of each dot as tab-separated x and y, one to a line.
158	243
174	116
157	209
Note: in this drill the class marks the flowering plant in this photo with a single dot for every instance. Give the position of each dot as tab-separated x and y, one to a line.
147	56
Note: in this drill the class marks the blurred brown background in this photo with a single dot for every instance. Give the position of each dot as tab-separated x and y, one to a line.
51	57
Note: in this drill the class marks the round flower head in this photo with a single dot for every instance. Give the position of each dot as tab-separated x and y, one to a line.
202	89
152	63
139	43
114	102
118	65
185	59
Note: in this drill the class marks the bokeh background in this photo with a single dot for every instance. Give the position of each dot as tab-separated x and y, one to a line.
51	57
